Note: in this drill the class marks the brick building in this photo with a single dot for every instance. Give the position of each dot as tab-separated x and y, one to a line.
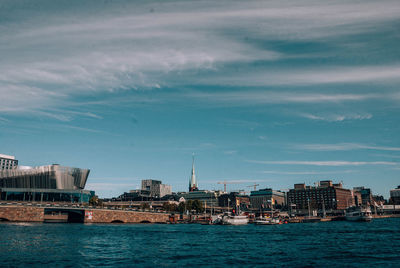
326	196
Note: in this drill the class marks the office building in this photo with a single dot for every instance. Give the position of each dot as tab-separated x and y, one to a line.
233	199
8	162
366	195
267	198
43	183
209	198
325	196
156	188
395	196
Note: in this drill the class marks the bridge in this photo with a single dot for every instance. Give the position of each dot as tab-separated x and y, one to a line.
27	212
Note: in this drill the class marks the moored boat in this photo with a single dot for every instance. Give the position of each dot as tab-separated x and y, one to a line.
234	219
358	214
266	221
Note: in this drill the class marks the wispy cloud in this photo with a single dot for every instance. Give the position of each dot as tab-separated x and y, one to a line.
307	172
344	147
230	152
325	163
153	46
279	97
336	117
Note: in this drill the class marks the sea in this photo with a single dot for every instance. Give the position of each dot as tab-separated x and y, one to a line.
333	244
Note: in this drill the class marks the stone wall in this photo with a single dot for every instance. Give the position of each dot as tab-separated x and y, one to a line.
107	216
36	214
24	214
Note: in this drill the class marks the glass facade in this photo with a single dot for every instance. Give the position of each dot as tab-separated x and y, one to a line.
43	195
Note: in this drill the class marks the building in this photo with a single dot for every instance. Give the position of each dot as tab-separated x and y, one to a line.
325	196
156	188
53	183
267	198
232	199
192	181
135	195
366	195
395	196
8	162
209	198
165	190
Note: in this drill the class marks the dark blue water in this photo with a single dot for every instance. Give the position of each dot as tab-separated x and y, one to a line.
313	244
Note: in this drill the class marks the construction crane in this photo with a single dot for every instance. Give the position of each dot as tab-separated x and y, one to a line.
254	185
228	182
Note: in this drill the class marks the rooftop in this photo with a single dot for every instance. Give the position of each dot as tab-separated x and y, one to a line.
7	156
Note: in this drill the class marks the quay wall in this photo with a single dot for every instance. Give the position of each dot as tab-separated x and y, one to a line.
16	213
23	214
107	216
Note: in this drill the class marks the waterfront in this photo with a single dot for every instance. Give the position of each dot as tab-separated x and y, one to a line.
314	244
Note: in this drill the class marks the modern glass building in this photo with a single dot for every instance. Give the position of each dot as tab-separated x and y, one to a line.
53	183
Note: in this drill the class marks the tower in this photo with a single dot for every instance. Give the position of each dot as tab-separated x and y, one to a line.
192	182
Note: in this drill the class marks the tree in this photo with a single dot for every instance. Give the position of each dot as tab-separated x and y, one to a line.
182	207
95	201
198	206
167	206
145	206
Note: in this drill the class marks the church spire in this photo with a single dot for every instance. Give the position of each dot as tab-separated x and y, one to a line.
193	183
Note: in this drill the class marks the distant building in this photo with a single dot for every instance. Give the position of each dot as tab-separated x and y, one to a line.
156	188
165	190
135	195
8	162
366	195
44	183
209	198
233	199
192	181
395	196
267	198
326	196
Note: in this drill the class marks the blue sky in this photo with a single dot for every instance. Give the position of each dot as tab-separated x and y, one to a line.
267	92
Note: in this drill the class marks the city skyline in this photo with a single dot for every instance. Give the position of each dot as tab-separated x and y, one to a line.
260	92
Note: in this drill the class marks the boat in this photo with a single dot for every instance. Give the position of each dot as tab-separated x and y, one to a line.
228	219
266	221
358	214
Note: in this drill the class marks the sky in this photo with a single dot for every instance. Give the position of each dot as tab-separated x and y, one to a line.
262	92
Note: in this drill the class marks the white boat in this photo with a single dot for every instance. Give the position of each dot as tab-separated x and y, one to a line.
266	221
234	220
358	214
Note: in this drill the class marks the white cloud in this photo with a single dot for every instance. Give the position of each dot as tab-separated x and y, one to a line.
46	63
324	163
344	147
307	172
336	117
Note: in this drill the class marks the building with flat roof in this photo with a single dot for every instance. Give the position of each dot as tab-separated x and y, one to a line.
325	196
395	196
44	183
209	198
8	162
366	195
156	188
267	198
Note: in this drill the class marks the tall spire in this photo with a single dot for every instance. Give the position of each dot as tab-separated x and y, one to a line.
192	183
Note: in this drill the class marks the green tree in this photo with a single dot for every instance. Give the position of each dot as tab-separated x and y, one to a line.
145	206
167	206
182	207
95	201
198	206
